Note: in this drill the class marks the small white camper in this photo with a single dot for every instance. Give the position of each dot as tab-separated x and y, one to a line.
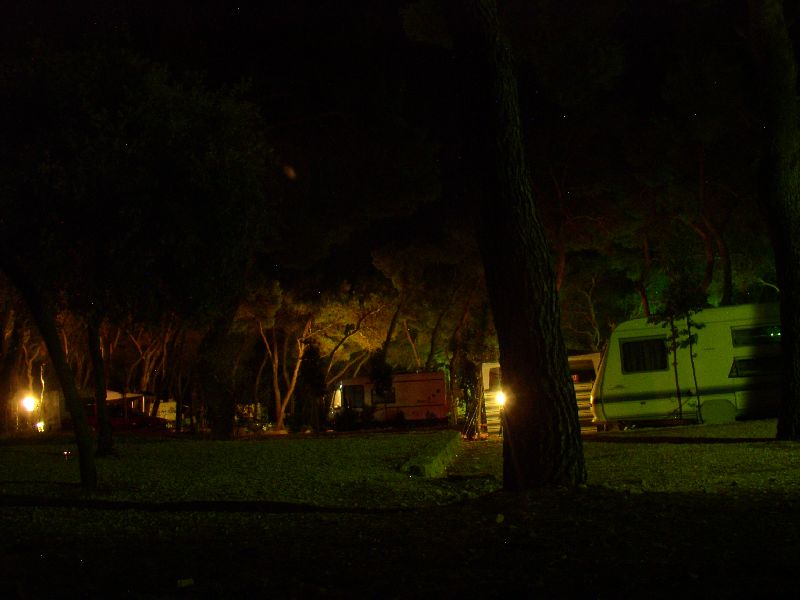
732	369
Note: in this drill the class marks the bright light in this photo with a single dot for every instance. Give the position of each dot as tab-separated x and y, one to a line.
40	426
29	403
501	398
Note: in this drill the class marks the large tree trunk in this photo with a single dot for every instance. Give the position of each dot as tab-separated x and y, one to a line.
542	443
215	368
379	369
43	314
708	248
105	441
641	285
725	260
780	188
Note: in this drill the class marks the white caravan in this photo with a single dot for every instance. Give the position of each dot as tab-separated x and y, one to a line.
737	369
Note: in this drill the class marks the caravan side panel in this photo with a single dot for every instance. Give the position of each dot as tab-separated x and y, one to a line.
637	379
417	396
736	369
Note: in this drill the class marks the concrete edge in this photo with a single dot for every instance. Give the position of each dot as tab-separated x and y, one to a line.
434	458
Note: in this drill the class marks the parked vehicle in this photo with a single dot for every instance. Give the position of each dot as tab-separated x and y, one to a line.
731	370
492	399
583	372
121	419
582	368
412	397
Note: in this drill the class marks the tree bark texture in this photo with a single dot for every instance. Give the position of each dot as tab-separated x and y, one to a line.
215	377
105	440
542	444
725	260
779	187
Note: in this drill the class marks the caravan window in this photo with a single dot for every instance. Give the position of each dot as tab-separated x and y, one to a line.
764	335
353	396
385	398
643	355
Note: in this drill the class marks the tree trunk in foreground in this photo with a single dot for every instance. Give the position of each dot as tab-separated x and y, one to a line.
105	439
780	188
542	444
215	374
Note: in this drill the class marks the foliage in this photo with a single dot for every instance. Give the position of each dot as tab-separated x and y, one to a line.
22	356
682	300
593	299
438	285
184	168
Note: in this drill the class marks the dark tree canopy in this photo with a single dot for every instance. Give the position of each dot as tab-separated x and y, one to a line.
127	195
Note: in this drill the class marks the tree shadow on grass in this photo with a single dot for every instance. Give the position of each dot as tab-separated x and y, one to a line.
591	542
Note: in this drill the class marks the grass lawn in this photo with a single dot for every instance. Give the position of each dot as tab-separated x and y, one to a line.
707	510
339	470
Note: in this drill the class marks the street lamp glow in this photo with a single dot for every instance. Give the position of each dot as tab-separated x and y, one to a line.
501	399
29	403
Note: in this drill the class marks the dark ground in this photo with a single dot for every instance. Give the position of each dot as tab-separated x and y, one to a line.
596	542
